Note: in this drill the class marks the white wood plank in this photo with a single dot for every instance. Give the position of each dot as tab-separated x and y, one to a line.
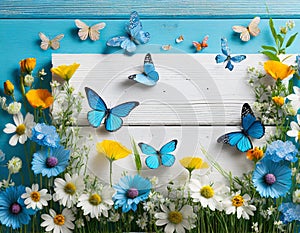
192	90
189	139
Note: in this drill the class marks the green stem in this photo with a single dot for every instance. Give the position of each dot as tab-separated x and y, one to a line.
110	172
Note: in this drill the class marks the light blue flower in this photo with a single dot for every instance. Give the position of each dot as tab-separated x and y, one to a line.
13	211
50	162
290	212
272	179
131	190
281	151
45	135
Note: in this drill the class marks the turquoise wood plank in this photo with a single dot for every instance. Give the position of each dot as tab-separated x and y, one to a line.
151	8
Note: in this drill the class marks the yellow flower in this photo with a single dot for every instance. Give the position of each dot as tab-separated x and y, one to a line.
113	150
8	88
39	98
64	71
278	70
192	163
255	154
279	100
27	65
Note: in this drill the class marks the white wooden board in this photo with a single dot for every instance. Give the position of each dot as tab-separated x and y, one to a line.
195	101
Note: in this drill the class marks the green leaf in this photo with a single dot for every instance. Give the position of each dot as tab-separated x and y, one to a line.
281	39
291	40
273	30
290	86
265	47
137	157
271	55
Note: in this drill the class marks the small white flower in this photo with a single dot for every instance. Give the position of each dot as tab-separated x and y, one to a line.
36	199
176	220
79	223
14	108
28	80
298	178
59	223
295	129
295	98
14	165
270	210
208	194
255	227
142	221
68	190
22	128
114	217
42	73
278	223
97	203
240	205
296	196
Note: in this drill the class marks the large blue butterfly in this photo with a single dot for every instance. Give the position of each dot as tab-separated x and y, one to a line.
112	116
135	35
149	77
161	157
250	128
227	58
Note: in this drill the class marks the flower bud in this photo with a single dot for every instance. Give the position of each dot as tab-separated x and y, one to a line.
14	108
27	65
8	88
278	100
14	165
28	80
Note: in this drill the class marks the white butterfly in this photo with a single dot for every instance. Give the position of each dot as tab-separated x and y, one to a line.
246	31
46	43
85	30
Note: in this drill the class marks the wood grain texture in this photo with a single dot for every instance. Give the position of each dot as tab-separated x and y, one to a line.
149	9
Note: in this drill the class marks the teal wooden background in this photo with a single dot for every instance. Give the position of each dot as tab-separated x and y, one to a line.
21	21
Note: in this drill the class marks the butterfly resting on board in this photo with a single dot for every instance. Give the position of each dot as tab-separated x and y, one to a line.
200	45
252	29
135	35
162	157
46	43
251	127
226	57
86	31
149	77
113	117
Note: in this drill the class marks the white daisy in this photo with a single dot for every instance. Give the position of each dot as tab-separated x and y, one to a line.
240	205
207	193
295	98
176	220
36	199
295	130
22	128
59	223
68	190
97	203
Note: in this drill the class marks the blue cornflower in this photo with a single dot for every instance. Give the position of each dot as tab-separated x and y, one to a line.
45	135
272	179
281	151
131	190
13	211
50	162
290	212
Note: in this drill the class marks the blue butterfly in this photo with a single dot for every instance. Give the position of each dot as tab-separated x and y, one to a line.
149	77
112	116
227	58
161	157
250	128
135	35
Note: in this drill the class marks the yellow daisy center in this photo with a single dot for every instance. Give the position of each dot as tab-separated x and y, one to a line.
207	191
35	196
20	130
95	199
175	217
59	220
237	201
70	188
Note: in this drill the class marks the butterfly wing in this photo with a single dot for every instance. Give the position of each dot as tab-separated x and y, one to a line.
168	159
45	42
197	45
116	41
142	78
128	45
224	47
94	33
83	29
153	160
229	65
147	149
244	33
238	139
99	111
220	58
134	29
204	42
253	26
238	58
113	121
54	43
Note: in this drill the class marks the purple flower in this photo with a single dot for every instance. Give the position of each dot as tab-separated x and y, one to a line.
45	135
281	151
290	212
